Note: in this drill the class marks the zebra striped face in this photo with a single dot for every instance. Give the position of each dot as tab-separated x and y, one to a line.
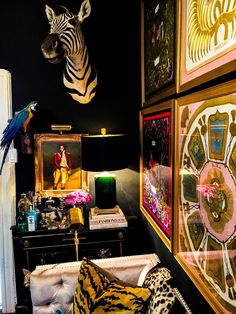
66	40
65	37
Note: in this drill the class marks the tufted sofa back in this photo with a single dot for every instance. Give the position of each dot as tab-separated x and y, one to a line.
53	286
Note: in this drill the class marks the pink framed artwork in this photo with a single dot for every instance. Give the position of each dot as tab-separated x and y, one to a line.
156	131
205	189
207	41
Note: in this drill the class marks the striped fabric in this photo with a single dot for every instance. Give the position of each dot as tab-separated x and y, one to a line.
99	292
118	298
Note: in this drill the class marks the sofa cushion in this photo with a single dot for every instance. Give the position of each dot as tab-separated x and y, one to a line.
119	298
163	297
98	291
92	280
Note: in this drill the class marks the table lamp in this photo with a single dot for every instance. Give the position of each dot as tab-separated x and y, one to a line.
103	153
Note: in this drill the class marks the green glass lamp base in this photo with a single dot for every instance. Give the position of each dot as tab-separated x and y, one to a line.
105	191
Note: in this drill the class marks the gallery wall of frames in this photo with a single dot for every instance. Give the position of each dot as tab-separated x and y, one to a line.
188	139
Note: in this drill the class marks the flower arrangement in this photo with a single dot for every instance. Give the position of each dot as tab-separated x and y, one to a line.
79	197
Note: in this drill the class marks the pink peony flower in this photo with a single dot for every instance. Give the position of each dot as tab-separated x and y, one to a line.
78	197
206	190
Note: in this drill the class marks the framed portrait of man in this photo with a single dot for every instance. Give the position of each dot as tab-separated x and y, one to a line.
58	164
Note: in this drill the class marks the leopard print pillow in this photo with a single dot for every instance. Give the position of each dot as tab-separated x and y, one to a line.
162	297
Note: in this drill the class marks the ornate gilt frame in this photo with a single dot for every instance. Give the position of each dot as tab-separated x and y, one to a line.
162	14
204	193
45	146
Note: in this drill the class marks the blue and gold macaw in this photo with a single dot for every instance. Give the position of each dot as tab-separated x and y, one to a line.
17	123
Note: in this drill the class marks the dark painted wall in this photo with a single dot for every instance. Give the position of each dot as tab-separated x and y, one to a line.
112	37
112	33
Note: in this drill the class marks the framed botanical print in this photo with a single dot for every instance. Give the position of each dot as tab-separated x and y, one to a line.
156	131
205	189
58	164
207	41
158	49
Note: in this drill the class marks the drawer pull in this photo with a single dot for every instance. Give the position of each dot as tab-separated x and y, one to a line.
26	243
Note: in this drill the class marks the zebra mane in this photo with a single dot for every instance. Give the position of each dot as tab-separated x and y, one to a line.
64	9
60	9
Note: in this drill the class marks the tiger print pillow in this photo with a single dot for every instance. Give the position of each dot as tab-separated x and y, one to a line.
119	298
100	292
92	280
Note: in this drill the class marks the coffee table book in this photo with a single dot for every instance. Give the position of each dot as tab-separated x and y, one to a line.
106	218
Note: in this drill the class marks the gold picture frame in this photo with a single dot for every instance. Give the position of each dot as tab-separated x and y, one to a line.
158	52
156	162
204	193
207	42
45	148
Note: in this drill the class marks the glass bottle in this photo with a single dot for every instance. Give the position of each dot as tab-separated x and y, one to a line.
24	203
32	219
39	202
21	221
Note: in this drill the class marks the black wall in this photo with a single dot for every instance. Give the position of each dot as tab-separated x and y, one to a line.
112	34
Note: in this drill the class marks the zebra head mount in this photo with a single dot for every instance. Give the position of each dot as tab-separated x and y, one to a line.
66	40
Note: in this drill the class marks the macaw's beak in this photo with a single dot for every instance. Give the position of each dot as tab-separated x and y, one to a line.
34	106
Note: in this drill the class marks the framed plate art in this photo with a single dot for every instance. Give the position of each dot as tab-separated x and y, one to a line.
158	49
156	131
58	172
207	41
205	193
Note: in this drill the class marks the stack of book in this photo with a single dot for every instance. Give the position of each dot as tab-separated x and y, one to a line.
106	218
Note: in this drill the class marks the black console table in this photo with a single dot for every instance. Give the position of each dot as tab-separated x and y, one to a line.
57	246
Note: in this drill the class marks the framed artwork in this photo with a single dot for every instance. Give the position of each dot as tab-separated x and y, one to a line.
158	49
156	132
58	164
207	41
205	189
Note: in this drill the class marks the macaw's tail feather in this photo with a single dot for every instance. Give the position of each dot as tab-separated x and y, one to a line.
4	156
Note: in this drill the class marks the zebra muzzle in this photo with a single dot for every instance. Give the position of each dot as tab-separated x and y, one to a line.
52	48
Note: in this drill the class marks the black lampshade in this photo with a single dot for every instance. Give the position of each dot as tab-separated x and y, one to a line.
104	152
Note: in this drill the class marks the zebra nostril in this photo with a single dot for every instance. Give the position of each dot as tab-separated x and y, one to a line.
54	44
51	43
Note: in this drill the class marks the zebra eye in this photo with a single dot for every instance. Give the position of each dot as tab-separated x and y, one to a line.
72	21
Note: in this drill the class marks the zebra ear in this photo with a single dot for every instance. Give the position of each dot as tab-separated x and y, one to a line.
85	10
50	13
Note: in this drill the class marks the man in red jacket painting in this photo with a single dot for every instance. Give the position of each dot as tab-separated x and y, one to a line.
62	167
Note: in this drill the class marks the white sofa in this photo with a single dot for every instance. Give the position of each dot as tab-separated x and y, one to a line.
53	286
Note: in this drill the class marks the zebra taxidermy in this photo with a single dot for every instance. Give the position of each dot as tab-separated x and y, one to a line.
66	40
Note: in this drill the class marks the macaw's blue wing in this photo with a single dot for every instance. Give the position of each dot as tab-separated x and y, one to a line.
19	121
13	127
